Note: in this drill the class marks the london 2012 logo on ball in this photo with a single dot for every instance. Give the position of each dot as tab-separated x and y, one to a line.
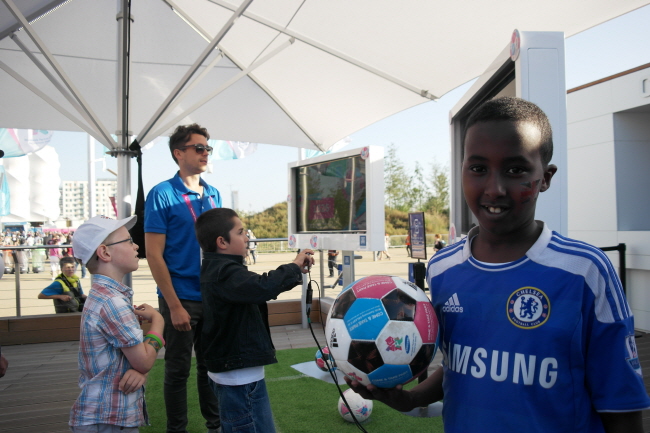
314	242
292	241
528	308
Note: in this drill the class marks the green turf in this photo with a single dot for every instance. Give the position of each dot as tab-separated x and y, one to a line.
300	404
156	402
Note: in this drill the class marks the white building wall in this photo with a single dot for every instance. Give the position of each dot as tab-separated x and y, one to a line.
597	191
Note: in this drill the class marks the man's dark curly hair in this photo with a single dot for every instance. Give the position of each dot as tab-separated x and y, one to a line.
515	110
182	135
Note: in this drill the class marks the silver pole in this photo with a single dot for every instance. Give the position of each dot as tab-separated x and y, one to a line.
92	206
321	289
14	253
348	267
123	199
123	155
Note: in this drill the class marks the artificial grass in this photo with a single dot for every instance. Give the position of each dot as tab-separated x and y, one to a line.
300	404
156	401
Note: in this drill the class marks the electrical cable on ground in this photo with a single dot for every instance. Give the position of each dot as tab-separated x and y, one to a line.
308	300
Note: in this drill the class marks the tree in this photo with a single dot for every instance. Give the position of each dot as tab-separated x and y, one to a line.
396	181
438	201
419	192
271	223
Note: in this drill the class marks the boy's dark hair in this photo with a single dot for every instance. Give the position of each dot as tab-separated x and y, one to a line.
182	135
212	224
67	261
515	110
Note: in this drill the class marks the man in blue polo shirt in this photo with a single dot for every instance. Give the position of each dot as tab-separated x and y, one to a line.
174	257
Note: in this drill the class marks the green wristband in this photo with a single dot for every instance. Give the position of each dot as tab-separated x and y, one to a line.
154	338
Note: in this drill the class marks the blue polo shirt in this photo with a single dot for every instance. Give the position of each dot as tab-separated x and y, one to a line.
167	212
57	289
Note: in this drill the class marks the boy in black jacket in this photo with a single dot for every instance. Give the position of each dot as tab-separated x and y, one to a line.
236	337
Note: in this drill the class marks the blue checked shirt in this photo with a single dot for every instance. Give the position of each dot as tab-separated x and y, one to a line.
108	323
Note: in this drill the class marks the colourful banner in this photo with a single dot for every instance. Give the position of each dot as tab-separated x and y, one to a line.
114	203
224	150
5	207
20	142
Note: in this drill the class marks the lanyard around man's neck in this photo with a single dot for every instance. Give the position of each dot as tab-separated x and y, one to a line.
188	202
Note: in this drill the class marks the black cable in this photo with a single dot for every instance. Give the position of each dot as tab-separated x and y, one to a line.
330	368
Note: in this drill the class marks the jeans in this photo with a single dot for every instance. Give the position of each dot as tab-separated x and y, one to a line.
83	268
331	264
178	361
244	408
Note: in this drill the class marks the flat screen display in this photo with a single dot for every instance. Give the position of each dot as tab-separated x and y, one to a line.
331	196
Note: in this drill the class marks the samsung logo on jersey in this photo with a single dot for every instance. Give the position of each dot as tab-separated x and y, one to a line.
503	366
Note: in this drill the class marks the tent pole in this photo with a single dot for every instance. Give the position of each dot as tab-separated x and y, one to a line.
188	89
284	30
123	154
205	35
220	89
40	45
53	104
92	208
190	72
123	198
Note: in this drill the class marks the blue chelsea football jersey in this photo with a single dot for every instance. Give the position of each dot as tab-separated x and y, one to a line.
536	345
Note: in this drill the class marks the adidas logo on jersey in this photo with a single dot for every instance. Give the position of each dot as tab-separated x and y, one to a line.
452	305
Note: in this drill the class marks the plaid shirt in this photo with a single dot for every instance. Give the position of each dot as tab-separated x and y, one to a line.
107	324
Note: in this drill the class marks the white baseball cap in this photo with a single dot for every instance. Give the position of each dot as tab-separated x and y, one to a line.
90	235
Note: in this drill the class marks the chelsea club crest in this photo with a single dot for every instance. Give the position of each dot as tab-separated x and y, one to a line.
528	308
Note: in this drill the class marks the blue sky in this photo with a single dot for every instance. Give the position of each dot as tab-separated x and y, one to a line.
420	133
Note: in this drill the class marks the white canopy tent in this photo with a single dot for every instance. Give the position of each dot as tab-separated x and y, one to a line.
301	73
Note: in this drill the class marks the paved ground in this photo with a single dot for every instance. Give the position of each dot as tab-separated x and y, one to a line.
145	287
41	382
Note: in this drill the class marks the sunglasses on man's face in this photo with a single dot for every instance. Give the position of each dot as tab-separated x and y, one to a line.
199	148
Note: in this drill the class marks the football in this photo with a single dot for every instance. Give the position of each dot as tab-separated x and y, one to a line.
382	330
361	407
321	358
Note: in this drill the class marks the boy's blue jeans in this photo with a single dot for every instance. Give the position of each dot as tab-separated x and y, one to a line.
244	408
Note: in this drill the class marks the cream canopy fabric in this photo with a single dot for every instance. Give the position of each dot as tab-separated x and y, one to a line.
320	70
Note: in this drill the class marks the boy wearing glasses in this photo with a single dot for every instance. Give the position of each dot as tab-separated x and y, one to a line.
174	257
114	356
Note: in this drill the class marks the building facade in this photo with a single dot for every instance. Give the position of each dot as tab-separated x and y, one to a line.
608	177
75	202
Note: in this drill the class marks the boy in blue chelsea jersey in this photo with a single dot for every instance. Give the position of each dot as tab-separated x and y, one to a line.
535	331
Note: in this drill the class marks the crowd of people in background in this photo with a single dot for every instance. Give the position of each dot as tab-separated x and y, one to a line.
32	260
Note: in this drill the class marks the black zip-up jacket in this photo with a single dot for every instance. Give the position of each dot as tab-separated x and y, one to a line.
235	316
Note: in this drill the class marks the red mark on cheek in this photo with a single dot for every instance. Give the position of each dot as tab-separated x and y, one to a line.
530	190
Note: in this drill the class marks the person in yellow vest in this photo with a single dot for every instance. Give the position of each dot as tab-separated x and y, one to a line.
66	289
